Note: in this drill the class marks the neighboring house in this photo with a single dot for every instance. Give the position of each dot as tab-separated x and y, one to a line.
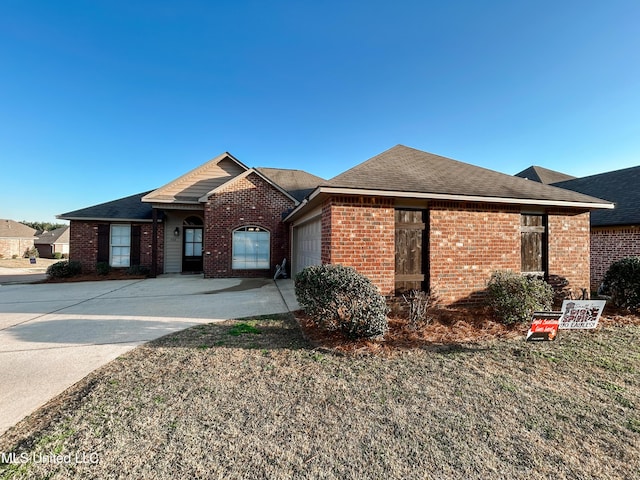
615	234
55	241
16	239
405	218
223	219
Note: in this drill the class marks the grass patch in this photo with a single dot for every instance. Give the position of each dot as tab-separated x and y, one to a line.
243	329
268	406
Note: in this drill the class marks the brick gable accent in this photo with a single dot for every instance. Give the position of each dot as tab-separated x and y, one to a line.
244	202
359	232
610	244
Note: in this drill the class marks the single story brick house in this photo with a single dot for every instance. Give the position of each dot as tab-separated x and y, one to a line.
615	234
16	239
405	218
222	218
51	242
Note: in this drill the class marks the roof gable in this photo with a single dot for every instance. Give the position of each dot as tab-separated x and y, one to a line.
407	170
193	185
543	175
619	187
245	174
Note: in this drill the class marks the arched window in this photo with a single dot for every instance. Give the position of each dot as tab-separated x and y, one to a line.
251	248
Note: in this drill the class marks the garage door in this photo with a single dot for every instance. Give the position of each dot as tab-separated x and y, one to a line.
306	245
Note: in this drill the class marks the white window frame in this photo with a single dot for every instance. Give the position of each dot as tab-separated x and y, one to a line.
120	245
251	248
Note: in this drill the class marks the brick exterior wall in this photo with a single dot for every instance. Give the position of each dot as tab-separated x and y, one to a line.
360	232
15	246
610	244
83	244
467	244
249	201
569	240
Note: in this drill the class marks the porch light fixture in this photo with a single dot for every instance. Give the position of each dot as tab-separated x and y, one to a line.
176	232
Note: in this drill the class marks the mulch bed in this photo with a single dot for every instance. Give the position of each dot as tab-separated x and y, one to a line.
447	328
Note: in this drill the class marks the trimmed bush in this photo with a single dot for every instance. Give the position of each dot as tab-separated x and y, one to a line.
622	282
514	297
64	269
138	270
339	298
57	255
103	268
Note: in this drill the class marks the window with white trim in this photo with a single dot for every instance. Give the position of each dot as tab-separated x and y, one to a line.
251	248
120	249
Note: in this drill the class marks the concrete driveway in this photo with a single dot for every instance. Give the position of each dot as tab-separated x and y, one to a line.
53	335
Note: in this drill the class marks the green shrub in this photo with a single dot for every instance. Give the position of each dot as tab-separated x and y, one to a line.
138	270
32	253
103	268
64	269
57	255
514	297
622	282
339	298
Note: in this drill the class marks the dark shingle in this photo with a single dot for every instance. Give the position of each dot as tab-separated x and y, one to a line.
128	208
406	169
543	175
59	235
297	183
620	187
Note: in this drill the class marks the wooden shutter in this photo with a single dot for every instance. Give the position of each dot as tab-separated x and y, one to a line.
135	245
103	242
410	254
532	230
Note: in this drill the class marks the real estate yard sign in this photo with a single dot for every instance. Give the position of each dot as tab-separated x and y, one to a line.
544	326
581	314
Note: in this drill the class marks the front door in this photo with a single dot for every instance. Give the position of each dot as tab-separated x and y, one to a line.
192	249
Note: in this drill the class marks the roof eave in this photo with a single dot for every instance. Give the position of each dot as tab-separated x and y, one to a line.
445	196
104	219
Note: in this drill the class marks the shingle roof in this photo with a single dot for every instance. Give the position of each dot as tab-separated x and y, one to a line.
13	229
543	175
59	235
405	169
128	208
620	187
297	183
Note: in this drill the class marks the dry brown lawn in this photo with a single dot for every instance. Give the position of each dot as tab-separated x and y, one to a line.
253	399
25	263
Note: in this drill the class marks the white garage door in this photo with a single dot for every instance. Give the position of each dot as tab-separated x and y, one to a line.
306	245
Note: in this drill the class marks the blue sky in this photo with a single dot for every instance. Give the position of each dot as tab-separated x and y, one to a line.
104	99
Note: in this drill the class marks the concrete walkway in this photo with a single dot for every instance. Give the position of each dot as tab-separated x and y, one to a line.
53	335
